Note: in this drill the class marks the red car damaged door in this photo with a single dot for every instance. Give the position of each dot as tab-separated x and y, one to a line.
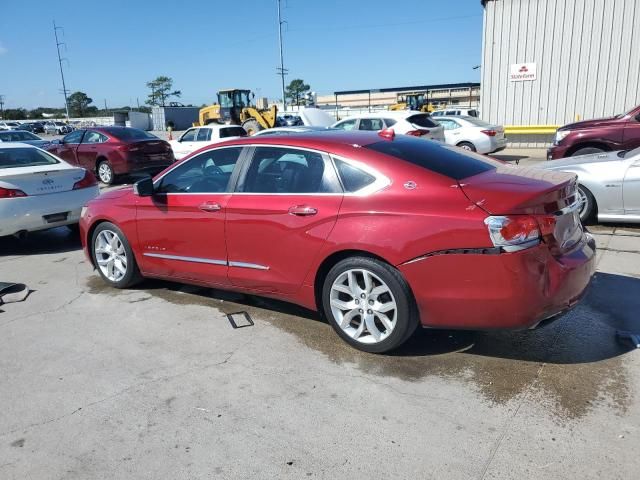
181	226
68	146
284	208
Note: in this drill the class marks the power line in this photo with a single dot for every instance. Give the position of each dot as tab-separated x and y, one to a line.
64	87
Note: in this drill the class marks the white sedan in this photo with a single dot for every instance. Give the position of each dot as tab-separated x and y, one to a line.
473	134
197	137
39	190
405	122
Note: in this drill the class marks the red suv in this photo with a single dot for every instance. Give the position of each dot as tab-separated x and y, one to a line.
382	233
113	151
621	132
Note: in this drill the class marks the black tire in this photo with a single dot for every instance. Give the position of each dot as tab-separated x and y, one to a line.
587	214
406	315
467	146
132	275
105	173
252	126
587	151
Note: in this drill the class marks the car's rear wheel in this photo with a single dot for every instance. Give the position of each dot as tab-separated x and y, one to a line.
369	304
105	172
467	146
587	204
113	257
587	151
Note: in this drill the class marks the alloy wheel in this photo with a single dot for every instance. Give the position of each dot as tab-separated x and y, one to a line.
584	202
105	173
363	306
111	256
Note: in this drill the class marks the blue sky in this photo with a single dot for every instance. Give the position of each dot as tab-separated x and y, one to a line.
115	47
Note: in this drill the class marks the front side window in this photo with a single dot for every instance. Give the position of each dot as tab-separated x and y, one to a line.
374	124
208	172
189	135
73	137
346	125
204	135
288	170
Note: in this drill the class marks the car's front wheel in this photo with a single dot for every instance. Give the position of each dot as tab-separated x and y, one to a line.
113	257
369	304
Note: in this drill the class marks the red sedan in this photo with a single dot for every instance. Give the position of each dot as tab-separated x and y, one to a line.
380	233
113	151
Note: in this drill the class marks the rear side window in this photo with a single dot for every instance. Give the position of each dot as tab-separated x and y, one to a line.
232	132
422	121
374	124
24	157
473	113
390	122
448	161
203	135
353	179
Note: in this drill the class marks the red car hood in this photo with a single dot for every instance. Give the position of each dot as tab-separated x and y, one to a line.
520	190
116	193
595	123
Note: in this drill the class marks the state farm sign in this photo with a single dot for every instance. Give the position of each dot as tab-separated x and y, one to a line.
522	72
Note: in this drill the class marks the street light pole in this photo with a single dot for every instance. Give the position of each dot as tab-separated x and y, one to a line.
282	72
64	87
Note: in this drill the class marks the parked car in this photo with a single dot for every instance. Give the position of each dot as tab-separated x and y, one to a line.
22	136
198	137
621	132
362	226
456	112
40	191
37	127
57	128
405	122
473	134
27	127
9	125
290	130
609	184
114	151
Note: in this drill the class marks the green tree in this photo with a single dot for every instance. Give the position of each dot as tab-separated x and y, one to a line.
296	90
161	91
78	103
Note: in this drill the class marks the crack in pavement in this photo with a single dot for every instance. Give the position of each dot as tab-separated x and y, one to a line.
43	312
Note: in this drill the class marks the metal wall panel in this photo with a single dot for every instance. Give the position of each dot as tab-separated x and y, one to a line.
587	54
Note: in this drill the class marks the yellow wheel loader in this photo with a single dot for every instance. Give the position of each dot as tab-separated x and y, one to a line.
236	108
412	101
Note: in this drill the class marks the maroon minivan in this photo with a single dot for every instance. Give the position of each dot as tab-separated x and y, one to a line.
621	132
114	151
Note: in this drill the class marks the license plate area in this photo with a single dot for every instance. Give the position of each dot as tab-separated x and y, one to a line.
56	217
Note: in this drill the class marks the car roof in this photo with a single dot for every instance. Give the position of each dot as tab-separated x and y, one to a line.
15	145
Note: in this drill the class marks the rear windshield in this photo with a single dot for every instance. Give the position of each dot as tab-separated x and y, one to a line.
17	136
423	120
129	134
451	162
232	132
24	157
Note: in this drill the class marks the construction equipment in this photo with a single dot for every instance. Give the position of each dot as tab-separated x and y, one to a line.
235	107
412	101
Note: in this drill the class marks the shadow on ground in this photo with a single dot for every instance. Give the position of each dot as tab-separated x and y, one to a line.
573	365
56	240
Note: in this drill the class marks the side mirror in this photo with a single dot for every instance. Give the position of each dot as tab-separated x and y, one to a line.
144	187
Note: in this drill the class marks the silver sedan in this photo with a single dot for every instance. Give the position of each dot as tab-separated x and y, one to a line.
609	184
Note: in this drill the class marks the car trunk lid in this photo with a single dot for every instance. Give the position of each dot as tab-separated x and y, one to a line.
550	197
46	180
150	150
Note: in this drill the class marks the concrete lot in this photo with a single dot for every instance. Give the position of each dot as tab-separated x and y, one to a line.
155	383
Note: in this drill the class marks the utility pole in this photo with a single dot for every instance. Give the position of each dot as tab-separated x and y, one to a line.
281	70
2	107
64	87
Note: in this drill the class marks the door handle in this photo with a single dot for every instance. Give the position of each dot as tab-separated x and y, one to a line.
210	207
302	210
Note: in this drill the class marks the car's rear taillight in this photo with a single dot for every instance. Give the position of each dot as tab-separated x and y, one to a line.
490	133
89	180
513	232
11	193
417	133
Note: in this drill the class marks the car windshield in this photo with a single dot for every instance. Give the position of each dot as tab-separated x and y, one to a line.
451	162
621	115
25	157
129	134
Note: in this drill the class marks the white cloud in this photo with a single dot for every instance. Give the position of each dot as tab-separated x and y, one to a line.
3	49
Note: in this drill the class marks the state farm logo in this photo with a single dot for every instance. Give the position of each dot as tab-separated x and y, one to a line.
521	72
